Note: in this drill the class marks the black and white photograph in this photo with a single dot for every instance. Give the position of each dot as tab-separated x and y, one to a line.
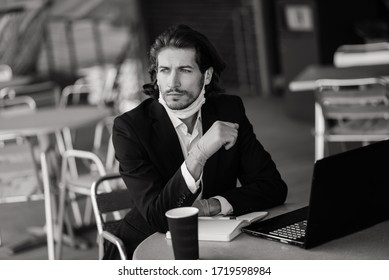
231	136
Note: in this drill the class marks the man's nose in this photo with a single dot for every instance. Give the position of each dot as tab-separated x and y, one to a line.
174	80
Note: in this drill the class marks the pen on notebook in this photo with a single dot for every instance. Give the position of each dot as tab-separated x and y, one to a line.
217	218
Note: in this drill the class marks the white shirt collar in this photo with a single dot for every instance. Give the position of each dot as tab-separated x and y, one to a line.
177	123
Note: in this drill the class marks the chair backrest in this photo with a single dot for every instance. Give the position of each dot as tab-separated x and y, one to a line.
104	203
108	202
101	81
353	98
17	106
73	93
43	93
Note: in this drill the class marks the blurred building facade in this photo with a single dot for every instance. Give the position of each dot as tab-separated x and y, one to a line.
265	43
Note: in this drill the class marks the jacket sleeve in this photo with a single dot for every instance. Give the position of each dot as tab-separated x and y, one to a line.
152	194
261	184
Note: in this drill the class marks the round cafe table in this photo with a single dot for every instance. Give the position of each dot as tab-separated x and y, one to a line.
50	120
368	244
42	123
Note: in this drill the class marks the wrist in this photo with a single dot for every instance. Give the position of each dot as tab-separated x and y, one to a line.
214	206
194	167
197	155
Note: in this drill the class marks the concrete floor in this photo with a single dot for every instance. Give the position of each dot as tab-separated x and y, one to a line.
289	141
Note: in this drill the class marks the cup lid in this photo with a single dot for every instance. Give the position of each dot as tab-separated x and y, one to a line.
181	212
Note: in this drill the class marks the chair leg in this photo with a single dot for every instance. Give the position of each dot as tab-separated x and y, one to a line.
50	226
63	218
69	238
68	144
88	211
75	209
101	246
108	188
61	214
35	162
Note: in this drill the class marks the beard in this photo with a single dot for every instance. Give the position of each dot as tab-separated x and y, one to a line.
176	102
180	102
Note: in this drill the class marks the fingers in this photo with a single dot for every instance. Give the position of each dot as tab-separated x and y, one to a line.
230	139
232	125
198	205
229	145
230	134
220	134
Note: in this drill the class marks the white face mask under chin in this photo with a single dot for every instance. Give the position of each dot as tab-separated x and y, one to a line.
191	109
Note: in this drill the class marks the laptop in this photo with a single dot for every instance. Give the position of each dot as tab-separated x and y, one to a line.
349	192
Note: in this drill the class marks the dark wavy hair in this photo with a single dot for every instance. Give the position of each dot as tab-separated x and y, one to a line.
183	37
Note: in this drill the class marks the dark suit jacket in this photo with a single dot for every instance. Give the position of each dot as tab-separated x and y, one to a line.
150	157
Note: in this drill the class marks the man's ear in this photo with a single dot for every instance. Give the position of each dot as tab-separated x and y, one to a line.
208	75
156	86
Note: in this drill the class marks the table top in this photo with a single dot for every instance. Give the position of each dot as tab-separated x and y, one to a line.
371	243
306	80
368	244
48	120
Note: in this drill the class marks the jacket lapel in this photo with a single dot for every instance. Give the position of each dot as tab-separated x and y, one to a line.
165	139
208	114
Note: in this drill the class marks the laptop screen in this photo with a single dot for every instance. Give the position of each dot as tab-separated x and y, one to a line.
350	192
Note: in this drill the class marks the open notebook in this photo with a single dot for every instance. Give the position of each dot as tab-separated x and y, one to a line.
220	228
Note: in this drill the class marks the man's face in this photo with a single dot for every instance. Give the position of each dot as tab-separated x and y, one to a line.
179	78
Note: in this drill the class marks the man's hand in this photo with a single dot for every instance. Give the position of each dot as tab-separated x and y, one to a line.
220	134
208	207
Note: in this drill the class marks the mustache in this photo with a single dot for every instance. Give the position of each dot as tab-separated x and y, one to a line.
176	90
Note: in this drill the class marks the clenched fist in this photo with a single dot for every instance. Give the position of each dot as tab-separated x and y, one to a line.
220	134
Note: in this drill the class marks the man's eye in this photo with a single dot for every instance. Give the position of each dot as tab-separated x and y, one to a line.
163	70
186	70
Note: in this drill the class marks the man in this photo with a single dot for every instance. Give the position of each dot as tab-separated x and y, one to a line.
189	144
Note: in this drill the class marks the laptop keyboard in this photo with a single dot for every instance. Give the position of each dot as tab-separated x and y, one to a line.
293	232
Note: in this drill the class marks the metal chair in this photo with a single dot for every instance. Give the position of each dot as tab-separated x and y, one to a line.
97	84
350	110
73	183
73	95
17	160
104	203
